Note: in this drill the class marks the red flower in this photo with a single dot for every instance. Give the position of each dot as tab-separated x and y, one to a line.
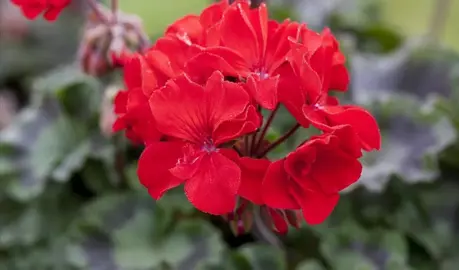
32	8
311	177
314	69
131	105
199	120
251	48
163	61
194	99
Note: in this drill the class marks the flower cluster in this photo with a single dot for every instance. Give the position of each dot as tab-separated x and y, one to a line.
50	8
195	98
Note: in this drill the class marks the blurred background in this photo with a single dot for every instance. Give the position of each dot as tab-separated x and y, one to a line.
70	198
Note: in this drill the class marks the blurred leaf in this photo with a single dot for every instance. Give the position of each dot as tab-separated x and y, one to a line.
73	161
79	94
127	231
19	226
310	265
352	260
411	143
263	257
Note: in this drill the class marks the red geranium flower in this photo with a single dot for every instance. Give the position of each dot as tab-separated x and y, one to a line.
316	68
163	61
32	8
194	99
251	48
131	105
199	120
311	177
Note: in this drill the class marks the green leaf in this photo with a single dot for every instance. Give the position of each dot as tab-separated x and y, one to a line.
127	231
412	141
78	93
262	257
310	265
72	162
352	260
19	226
50	151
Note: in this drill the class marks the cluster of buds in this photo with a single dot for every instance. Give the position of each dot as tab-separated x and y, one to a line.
109	39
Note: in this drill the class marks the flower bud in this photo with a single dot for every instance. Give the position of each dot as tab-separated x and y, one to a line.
108	41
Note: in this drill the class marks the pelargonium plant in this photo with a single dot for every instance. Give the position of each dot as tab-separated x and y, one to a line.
194	99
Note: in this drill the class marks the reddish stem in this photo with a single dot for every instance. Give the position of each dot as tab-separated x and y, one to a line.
279	141
256	148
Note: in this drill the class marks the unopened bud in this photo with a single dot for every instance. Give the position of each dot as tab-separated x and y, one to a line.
293	218
107	44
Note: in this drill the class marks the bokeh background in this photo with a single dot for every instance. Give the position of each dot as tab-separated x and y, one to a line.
70	198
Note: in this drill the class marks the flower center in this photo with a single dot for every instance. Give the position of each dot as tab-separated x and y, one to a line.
263	75
208	146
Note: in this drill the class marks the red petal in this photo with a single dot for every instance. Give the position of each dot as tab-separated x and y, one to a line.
212	14
259	20
339	78
137	73
204	64
185	97
237	32
290	94
227	61
315	117
164	68
316	206
279	44
253	172
264	91
197	112
120	102
348	140
214	187
187	27
52	13
225	100
346	170
154	165
32	12
361	121
177	51
245	123
275	188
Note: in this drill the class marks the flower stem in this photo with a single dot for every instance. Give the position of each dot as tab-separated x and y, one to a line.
114	6
246	145
255	148
279	141
95	8
263	232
